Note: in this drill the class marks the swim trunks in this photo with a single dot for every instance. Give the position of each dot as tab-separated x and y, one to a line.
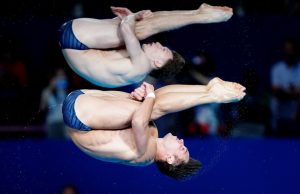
69	114
68	38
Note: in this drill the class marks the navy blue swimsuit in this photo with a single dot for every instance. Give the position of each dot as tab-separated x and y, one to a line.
68	38
69	114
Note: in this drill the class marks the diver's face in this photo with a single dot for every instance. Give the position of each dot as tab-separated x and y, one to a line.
176	148
158	53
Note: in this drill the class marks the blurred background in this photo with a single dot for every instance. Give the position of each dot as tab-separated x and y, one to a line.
248	147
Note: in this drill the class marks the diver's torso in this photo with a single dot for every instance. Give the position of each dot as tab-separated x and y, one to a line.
103	110
114	145
109	69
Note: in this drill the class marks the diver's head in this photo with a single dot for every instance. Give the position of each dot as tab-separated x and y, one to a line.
173	158
164	62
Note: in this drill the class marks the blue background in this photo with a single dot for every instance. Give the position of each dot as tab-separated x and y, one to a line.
266	166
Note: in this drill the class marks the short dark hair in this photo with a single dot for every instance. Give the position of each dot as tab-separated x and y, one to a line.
180	172
170	68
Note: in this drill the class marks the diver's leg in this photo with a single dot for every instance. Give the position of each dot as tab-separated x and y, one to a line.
172	99
169	20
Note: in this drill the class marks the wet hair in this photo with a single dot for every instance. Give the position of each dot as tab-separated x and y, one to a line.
170	68
179	172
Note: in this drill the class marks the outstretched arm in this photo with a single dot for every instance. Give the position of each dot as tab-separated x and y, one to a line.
141	118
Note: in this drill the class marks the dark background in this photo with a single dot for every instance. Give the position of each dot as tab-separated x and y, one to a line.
249	42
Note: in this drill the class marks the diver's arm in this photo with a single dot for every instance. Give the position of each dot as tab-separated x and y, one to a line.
140	123
131	42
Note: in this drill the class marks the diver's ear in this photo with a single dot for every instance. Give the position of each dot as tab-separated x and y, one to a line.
170	159
157	63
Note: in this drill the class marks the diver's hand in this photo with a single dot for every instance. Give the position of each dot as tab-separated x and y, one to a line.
121	12
138	94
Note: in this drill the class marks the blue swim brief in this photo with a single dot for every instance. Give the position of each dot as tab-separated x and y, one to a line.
69	114
68	38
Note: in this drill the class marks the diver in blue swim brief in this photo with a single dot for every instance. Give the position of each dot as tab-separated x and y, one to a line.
92	49
123	131
69	115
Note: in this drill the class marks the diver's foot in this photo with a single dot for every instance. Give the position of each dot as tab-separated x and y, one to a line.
215	13
224	91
